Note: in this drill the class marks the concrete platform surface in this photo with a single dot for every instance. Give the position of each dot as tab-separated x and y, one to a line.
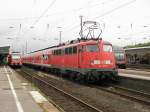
15	94
134	74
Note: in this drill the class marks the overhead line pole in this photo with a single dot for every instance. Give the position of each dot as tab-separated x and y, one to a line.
81	25
60	37
26	47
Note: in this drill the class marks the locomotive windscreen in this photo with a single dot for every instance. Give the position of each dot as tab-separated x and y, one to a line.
92	48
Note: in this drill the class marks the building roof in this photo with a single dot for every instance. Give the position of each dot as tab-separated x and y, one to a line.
4	50
137	48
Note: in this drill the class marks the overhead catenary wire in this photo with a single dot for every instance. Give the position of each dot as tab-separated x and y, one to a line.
48	15
45	11
114	9
108	12
133	34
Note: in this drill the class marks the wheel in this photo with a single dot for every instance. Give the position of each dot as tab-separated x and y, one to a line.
72	76
91	78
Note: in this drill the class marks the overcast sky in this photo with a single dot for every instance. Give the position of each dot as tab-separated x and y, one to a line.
36	22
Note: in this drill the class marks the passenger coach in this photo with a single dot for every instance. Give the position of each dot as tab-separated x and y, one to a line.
15	59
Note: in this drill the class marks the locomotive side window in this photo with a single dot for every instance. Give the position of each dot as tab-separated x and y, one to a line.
92	48
62	51
70	50
59	52
74	50
66	50
107	48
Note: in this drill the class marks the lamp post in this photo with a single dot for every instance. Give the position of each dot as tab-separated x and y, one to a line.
60	34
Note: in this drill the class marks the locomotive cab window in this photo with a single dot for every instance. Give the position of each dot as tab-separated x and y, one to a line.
107	48
119	56
92	48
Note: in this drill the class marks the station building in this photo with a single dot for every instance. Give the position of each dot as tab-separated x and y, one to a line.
138	55
4	51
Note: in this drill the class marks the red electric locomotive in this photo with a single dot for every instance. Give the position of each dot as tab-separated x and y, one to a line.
88	59
15	59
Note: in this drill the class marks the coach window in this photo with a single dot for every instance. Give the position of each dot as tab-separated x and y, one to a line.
54	52
62	51
92	48
107	48
46	57
74	50
59	52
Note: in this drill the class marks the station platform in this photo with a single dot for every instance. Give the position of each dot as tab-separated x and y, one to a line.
139	74
17	95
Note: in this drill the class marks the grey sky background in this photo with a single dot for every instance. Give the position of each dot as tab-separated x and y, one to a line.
123	22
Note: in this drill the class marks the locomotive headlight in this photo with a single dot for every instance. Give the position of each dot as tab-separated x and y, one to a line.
107	62
96	62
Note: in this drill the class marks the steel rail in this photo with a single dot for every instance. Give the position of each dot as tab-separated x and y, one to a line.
67	94
133	91
131	97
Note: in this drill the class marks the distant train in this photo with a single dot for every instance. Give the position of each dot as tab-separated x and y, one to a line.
84	59
15	59
120	56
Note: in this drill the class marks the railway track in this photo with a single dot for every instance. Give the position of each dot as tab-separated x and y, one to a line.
131	94
67	101
70	88
125	92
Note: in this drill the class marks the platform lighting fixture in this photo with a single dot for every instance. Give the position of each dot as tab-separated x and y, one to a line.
145	26
59	27
60	32
31	27
11	27
9	38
